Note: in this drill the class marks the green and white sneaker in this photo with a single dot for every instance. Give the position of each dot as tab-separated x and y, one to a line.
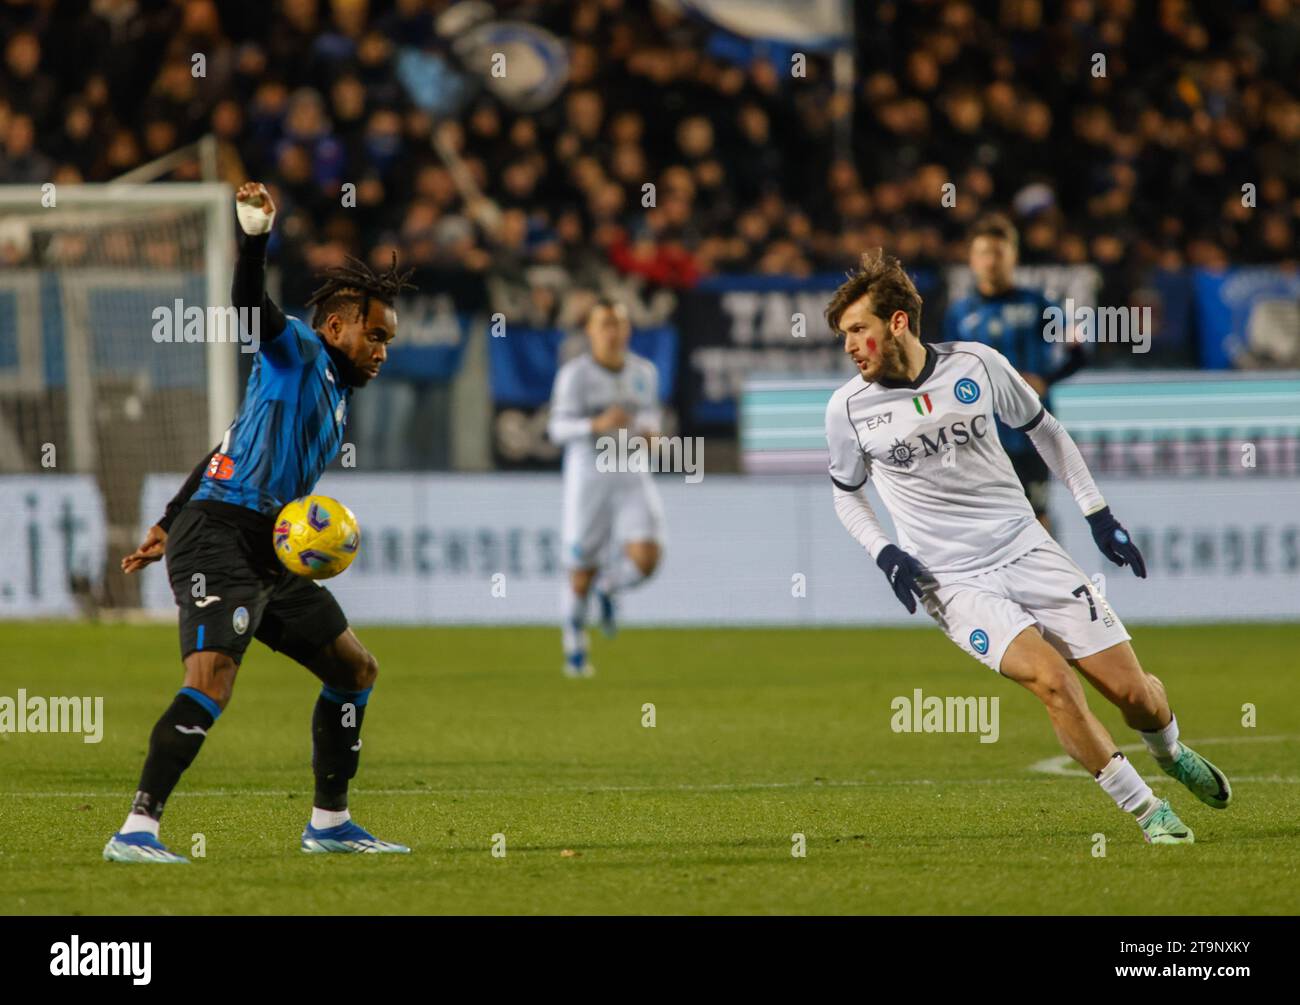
1206	782
1164	827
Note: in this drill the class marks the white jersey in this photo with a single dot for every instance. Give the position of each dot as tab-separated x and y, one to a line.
584	389
601	506
932	449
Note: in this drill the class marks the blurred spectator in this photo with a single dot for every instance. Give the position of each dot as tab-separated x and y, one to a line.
675	152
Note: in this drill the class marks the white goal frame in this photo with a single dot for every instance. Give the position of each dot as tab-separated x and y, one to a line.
81	202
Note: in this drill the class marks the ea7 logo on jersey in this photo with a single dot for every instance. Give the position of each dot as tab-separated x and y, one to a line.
879	419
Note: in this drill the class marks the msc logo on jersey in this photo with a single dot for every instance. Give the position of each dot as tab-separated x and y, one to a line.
967	391
901	453
979	641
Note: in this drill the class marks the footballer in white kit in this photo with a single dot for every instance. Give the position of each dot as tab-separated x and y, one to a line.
919	422
596	395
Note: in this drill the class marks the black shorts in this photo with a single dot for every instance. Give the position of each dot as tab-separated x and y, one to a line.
1034	477
244	593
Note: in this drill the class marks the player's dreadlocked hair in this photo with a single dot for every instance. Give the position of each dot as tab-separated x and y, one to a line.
357	283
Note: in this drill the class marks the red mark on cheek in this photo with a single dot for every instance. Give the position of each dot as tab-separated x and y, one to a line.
871	345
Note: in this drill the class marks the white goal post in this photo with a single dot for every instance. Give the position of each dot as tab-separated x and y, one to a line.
36	219
91	278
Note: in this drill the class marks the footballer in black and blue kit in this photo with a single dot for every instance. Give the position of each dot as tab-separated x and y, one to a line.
217	538
1010	318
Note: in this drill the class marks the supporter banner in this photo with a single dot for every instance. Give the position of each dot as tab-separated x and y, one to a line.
538	61
57	536
523	362
1170	294
486	549
737	327
812	24
1247	317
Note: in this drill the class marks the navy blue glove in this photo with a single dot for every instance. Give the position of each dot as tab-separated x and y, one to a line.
903	572
1114	542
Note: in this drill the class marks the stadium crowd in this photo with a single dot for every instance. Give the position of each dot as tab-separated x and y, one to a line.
1053	110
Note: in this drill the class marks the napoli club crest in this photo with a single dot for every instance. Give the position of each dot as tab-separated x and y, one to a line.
967	391
979	641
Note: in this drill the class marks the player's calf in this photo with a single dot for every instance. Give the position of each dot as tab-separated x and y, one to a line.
1031	662
1142	700
348	672
645	556
1034	664
573	622
173	746
1117	675
638	563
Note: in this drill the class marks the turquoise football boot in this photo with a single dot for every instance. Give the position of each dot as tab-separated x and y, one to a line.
1164	827
1206	782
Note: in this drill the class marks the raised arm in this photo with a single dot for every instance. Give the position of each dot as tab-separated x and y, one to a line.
256	213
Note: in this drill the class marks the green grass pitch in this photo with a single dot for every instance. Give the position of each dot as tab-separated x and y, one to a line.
760	734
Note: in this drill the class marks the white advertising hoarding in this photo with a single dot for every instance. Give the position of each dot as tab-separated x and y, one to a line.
1215	549
54	532
769	550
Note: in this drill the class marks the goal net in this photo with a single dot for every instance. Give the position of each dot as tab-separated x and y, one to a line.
100	374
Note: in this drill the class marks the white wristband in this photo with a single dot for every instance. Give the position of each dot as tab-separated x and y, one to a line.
253	219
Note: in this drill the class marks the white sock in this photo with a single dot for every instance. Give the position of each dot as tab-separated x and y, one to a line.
325	819
1163	743
139	822
1121	781
622	575
573	625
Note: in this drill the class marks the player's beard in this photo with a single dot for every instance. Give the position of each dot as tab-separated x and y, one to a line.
892	363
353	375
